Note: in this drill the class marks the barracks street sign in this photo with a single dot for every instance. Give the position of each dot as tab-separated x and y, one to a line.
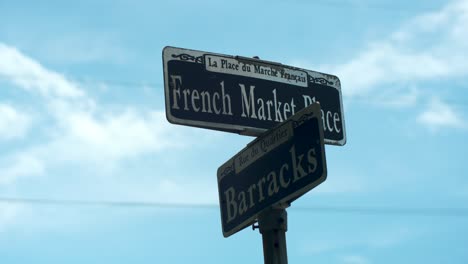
273	170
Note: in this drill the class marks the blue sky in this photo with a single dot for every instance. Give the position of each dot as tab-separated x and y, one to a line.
82	118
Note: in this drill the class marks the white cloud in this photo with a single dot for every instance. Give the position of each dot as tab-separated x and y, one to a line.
345	184
385	63
107	137
81	130
399	98
83	135
429	47
8	214
391	239
32	76
83	48
386	238
13	123
441	115
20	165
115	136
355	259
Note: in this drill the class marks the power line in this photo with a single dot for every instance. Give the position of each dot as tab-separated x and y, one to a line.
363	210
42	201
122	83
376	101
408	211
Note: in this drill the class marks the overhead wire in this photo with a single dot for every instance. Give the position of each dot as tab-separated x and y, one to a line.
362	210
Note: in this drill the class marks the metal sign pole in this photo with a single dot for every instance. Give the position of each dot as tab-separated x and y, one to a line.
273	224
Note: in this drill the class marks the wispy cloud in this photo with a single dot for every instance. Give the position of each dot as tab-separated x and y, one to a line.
355	259
385	63
107	136
345	184
441	115
365	239
20	165
31	76
13	123
8	214
84	47
80	130
395	98
80	133
429	47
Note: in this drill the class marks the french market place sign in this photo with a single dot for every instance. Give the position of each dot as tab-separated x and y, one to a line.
244	95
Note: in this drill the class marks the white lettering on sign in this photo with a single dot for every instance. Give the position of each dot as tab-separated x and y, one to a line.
331	120
189	99
264	106
259	108
300	165
255	70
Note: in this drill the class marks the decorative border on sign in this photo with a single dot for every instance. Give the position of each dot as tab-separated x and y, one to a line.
301	120
338	83
187	57
320	80
227	170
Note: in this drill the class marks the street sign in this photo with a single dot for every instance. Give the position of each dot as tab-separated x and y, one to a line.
273	170
244	95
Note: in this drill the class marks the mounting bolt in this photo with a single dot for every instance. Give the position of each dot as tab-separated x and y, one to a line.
255	226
